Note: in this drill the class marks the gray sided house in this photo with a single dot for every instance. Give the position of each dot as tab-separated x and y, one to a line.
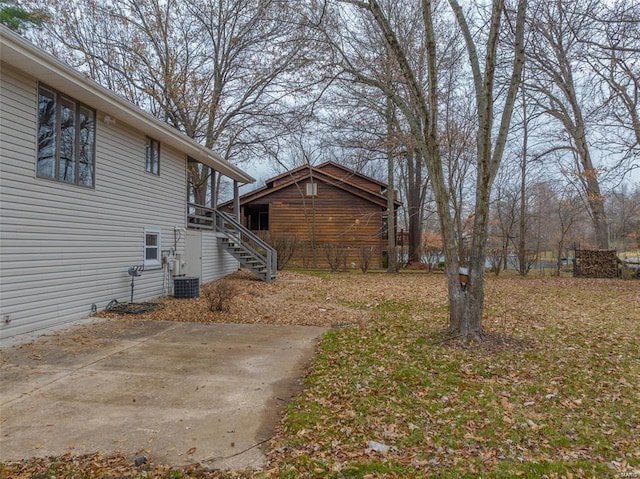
90	186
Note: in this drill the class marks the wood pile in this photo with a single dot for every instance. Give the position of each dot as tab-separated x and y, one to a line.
596	263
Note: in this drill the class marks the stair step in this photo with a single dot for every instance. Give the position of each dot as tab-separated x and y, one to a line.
236	247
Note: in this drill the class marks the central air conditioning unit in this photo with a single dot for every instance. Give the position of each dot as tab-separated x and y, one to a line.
186	287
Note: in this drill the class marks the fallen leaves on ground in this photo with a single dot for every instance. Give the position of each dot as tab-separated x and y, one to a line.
295	298
113	466
546	395
552	392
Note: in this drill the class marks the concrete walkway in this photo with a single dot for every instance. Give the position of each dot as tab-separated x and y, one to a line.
178	393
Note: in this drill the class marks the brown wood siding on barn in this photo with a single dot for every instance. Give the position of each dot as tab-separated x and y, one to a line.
346	213
340	219
352	177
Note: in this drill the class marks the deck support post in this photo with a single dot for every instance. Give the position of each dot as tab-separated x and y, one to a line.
236	200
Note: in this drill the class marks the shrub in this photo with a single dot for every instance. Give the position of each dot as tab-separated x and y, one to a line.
366	255
286	246
417	266
336	256
219	295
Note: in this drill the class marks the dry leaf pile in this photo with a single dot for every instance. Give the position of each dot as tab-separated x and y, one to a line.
295	299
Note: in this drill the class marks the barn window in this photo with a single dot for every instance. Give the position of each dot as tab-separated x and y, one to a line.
312	189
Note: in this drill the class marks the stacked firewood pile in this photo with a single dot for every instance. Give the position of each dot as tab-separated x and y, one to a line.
596	263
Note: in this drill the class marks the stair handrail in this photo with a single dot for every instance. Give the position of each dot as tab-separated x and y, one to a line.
271	260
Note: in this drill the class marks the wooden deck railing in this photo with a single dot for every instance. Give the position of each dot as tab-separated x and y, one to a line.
255	253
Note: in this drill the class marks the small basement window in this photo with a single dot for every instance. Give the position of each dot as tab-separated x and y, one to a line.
152	248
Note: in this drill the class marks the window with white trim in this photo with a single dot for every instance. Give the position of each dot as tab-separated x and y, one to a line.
152	244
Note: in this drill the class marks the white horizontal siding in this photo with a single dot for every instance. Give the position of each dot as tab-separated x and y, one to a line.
216	262
65	247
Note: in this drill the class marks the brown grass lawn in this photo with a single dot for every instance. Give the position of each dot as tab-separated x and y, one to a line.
553	392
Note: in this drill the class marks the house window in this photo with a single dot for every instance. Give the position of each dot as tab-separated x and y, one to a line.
312	189
263	220
66	139
385	228
152	248
153	156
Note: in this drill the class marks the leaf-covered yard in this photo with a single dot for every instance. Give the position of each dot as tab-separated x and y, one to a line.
553	392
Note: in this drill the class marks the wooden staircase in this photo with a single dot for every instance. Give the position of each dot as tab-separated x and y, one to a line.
252	252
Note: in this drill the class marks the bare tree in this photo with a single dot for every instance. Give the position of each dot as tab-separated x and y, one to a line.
416	186
524	170
418	102
467	321
504	228
524	165
458	149
565	95
568	212
392	256
612	42
624	212
367	121
221	71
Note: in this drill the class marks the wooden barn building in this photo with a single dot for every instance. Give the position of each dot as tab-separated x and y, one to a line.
328	212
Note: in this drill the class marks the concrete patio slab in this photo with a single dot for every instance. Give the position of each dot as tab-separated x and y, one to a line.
178	393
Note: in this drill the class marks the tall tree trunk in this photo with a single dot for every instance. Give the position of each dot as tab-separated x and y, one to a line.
414	204
589	174
489	152
594	198
556	64
392	257
421	113
522	243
